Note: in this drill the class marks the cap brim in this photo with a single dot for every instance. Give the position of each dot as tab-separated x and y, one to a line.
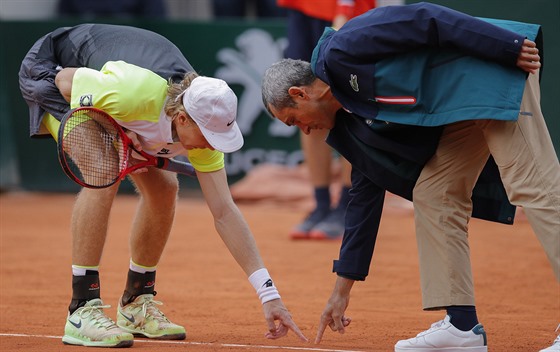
226	142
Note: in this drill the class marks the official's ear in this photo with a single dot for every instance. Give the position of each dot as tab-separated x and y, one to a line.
297	92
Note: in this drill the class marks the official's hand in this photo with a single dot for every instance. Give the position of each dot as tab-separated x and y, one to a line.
333	314
275	310
529	59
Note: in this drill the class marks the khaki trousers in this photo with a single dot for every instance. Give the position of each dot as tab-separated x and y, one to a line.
530	172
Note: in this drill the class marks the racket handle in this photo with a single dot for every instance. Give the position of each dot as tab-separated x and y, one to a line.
179	167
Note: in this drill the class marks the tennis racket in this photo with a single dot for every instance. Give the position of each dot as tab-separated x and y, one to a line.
95	152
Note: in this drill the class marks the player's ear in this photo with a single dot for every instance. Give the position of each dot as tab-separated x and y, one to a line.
182	118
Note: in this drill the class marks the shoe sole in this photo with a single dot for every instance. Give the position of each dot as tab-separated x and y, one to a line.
162	337
178	336
68	340
318	235
299	236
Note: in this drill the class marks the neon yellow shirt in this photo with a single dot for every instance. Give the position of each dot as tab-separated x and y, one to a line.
135	97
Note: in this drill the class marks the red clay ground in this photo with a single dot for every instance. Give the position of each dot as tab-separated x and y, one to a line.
204	289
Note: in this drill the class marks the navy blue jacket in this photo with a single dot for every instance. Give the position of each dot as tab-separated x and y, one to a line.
390	156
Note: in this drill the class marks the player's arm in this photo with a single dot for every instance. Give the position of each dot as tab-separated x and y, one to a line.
235	233
63	82
228	220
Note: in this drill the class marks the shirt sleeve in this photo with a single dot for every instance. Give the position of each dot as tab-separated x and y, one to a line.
206	160
363	216
396	30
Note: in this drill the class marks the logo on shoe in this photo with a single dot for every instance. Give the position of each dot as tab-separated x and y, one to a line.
129	318
76	325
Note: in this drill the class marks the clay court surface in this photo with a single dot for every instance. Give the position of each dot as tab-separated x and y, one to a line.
204	289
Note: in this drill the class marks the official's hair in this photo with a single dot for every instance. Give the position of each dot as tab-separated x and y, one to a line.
279	77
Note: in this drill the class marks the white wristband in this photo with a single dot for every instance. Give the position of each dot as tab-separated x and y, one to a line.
264	285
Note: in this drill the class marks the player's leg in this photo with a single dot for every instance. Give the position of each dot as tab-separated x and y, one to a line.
442	210
87	323
138	312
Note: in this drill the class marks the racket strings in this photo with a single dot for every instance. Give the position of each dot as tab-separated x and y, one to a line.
95	152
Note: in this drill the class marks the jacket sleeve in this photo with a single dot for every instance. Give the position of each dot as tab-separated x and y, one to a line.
393	30
361	226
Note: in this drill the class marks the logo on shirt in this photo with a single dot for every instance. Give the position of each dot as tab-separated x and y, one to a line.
86	100
354	83
164	151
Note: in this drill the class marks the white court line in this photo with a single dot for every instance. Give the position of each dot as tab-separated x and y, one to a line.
201	344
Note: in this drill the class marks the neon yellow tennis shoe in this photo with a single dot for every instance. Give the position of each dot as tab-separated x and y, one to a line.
143	317
89	326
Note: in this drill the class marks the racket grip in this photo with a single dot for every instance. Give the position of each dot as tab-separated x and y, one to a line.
179	167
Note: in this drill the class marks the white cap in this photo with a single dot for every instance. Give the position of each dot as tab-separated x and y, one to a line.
212	104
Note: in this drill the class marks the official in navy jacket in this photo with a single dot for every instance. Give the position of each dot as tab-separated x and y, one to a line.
380	92
418	98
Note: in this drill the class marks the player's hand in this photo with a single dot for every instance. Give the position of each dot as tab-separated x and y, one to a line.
333	314
135	157
529	59
276	311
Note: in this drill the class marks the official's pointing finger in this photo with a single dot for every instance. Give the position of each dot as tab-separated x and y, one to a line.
320	331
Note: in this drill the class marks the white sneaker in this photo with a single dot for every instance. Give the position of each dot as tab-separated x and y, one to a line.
555	345
443	336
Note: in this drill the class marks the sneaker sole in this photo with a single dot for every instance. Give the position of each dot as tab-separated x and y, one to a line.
319	235
69	340
162	337
299	236
178	336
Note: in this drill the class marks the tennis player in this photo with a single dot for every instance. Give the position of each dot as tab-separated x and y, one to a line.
146	84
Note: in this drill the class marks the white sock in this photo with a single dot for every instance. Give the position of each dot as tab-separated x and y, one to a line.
79	270
140	268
